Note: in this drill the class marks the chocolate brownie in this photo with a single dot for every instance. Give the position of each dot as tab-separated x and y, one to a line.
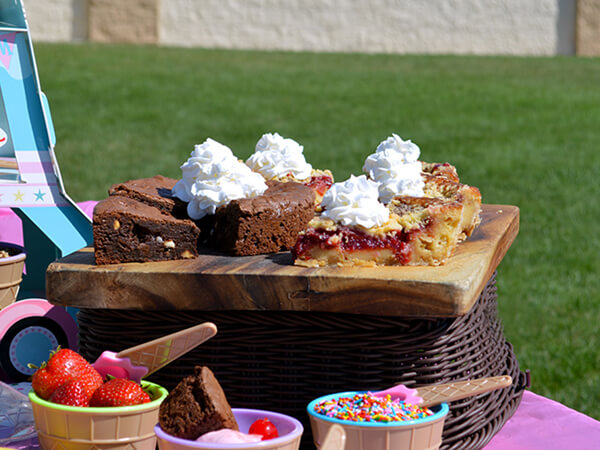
197	405
154	191
126	230
265	224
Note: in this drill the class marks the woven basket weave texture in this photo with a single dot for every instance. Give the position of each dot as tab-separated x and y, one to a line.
281	360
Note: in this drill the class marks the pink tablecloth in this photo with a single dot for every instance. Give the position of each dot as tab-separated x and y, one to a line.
538	423
543	424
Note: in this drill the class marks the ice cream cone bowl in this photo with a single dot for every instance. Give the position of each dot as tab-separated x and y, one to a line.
417	434
11	272
75	428
290	432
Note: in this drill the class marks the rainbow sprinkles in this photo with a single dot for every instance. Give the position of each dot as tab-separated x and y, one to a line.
366	407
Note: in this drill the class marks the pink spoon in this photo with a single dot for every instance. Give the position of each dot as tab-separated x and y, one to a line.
142	360
449	392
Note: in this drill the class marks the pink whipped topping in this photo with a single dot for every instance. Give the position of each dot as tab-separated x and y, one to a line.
227	436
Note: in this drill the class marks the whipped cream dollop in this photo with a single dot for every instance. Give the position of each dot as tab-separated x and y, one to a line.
228	436
277	157
212	176
404	179
355	202
396	168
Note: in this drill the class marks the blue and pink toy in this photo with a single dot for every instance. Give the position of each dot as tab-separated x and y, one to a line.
31	185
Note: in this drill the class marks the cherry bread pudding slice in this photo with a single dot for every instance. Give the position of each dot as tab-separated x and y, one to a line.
431	227
350	210
419	231
395	166
468	196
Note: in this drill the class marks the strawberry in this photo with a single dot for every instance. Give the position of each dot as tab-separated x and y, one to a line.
71	393
119	392
64	365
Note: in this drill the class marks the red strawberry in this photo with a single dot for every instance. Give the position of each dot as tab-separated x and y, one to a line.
65	365
119	392
71	393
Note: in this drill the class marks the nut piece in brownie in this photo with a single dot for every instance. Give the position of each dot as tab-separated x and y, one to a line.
126	230
154	191
197	405
267	223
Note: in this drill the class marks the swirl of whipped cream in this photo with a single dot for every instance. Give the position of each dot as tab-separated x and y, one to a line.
396	167
354	202
408	149
213	177
406	180
209	159
277	157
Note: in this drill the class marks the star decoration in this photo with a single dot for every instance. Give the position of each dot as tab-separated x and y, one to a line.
18	196
39	195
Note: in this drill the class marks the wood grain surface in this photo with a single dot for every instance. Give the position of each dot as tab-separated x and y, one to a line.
214	281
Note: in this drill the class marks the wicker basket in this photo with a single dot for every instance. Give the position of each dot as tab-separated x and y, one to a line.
281	360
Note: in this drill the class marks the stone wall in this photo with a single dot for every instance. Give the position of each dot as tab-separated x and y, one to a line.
588	28
520	27
133	21
57	20
401	26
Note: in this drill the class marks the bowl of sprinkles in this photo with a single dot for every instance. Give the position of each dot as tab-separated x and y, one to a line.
377	423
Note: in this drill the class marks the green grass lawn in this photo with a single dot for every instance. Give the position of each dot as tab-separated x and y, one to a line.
526	131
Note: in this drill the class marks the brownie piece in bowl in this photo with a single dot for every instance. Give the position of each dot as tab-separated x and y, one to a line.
197	405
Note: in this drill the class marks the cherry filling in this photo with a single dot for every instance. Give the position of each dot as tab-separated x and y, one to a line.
438	165
320	183
350	239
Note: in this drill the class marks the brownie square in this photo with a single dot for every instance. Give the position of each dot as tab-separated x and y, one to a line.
154	191
197	405
126	230
268	223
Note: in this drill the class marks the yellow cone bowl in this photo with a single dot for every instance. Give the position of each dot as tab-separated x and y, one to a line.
75	428
11	271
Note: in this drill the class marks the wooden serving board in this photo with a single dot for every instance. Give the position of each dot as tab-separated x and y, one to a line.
271	282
